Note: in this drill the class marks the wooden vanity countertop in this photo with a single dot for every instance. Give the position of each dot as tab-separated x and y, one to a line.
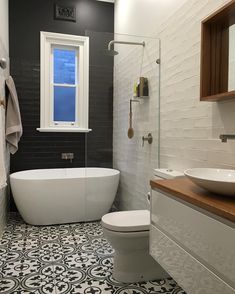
184	189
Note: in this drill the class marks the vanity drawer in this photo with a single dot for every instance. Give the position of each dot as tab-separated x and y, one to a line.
189	273
207	239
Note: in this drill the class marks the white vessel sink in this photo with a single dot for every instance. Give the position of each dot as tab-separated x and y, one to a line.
220	181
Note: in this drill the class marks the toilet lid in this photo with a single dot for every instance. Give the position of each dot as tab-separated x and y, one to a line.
127	221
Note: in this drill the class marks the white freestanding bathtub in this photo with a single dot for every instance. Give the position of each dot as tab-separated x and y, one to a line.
56	196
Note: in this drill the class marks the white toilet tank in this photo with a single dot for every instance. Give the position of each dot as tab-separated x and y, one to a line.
166	174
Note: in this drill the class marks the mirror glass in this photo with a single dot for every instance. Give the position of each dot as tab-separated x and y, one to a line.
231	74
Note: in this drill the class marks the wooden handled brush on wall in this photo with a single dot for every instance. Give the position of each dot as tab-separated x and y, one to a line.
130	132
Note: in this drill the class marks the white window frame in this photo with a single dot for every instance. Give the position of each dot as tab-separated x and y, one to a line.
81	45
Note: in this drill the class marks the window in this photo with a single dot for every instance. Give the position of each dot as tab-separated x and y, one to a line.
64	83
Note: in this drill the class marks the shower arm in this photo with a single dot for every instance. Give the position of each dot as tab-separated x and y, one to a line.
123	42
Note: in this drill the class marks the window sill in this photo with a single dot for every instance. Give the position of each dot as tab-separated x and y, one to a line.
64	130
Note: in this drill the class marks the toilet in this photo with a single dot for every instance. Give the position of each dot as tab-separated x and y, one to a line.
128	233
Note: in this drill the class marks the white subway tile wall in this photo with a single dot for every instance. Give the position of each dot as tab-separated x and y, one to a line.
4	203
136	162
189	129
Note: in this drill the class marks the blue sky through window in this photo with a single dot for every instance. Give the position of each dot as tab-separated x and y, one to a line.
64	104
64	66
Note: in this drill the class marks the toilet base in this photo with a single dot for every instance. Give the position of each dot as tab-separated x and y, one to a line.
137	267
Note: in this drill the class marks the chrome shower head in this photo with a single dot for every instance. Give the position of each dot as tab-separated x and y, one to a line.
111	52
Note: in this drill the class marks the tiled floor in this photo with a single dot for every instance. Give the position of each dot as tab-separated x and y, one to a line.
73	258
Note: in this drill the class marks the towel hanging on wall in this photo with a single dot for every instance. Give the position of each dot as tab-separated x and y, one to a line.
2	149
13	118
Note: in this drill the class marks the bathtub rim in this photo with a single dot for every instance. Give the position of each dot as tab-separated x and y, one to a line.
19	175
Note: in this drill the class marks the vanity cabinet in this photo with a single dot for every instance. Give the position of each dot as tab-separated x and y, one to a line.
195	246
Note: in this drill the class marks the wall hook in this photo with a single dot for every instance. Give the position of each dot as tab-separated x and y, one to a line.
3	63
2	103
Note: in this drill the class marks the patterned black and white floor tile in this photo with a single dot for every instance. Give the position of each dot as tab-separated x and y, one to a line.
73	258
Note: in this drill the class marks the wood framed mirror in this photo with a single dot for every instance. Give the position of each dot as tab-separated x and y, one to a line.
218	55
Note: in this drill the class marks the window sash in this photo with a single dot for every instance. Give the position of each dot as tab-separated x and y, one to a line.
54	123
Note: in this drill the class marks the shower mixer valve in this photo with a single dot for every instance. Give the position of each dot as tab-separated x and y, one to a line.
149	139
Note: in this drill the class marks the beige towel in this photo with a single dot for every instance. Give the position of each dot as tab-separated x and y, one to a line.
13	119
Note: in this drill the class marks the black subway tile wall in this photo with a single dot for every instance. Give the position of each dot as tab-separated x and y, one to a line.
99	141
40	150
43	150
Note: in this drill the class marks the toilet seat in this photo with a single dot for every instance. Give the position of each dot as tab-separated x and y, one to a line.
127	221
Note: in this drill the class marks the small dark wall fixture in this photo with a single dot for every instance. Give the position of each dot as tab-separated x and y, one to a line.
65	13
